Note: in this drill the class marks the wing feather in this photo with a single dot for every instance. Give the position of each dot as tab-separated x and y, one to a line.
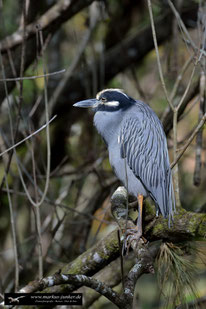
143	144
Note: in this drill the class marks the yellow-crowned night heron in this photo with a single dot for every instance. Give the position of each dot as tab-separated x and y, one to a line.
137	148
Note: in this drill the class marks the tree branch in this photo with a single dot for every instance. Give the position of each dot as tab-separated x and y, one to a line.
189	141
76	280
49	22
144	264
186	226
137	47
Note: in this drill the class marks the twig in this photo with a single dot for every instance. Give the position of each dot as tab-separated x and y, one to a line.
175	118
202	96
72	67
187	88
13	69
193	104
173	108
100	225
32	77
14	238
157	54
37	206
142	94
57	14
28	137
48	156
8	103
179	77
64	207
176	170
200	125
199	140
36	203
181	24
168	115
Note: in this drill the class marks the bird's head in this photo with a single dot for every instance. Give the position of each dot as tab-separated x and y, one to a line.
107	100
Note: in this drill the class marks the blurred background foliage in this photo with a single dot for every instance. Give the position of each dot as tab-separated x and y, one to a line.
76	210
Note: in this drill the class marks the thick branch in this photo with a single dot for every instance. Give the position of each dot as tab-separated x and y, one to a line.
50	23
132	49
144	264
93	260
110	275
76	280
186	226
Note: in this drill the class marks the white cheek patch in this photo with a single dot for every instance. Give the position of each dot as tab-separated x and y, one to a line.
112	103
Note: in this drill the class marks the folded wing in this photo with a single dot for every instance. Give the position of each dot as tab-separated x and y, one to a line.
143	144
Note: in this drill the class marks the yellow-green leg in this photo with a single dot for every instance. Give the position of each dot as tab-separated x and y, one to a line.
139	220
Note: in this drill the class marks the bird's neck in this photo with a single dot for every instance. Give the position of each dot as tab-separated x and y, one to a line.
107	124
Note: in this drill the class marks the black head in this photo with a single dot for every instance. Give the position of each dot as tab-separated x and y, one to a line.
108	100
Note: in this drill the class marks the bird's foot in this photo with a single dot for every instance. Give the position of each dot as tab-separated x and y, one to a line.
132	239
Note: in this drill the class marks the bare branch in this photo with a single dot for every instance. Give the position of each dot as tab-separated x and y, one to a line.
64	81
200	125
158	56
56	15
199	139
168	115
182	25
144	264
76	280
187	225
32	77
28	137
49	22
179	77
14	237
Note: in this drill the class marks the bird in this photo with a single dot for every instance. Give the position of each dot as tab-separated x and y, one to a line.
137	147
16	299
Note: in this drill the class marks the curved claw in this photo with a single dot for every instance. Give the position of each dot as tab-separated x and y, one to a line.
132	235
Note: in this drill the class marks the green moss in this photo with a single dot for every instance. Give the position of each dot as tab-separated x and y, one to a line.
202	227
157	228
186	225
149	209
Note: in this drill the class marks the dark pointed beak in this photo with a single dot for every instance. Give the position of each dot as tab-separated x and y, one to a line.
87	103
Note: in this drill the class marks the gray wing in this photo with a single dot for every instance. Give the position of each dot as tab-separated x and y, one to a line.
143	144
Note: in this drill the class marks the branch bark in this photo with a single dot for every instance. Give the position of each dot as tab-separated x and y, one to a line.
49	22
186	226
137	47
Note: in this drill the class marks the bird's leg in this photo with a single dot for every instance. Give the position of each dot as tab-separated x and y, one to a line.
139	220
136	233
